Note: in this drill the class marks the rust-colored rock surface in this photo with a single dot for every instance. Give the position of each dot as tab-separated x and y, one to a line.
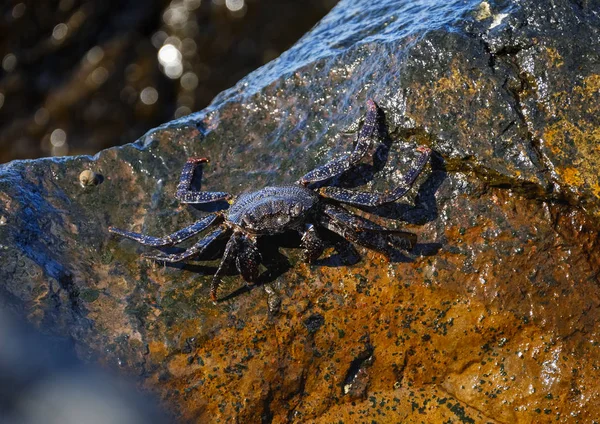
493	317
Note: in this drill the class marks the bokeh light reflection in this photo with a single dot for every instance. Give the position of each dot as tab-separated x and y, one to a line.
85	65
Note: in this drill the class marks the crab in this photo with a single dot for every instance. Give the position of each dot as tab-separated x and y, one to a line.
299	207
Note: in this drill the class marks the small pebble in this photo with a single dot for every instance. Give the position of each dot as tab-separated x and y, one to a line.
88	178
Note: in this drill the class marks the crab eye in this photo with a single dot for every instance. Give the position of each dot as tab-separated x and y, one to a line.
281	220
296	209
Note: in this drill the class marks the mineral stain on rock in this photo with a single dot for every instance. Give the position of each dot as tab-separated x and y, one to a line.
497	322
314	322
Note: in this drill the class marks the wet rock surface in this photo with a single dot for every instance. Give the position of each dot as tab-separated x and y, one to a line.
493	317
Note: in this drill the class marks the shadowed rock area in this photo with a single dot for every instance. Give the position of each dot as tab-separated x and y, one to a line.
493	317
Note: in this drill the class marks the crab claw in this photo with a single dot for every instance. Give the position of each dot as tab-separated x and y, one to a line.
371	105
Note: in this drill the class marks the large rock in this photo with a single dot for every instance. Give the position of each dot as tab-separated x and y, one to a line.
492	318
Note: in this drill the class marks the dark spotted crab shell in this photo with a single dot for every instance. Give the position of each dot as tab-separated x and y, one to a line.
272	209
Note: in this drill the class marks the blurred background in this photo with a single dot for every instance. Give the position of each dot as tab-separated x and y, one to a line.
77	76
42	381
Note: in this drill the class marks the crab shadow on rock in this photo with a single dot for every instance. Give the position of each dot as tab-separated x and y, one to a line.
324	208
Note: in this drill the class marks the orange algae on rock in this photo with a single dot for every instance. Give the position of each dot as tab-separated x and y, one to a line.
447	336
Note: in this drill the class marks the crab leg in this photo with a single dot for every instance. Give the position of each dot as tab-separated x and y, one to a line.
196	249
228	258
372	240
363	227
361	198
311	244
243	251
171	239
354	221
185	195
337	166
247	259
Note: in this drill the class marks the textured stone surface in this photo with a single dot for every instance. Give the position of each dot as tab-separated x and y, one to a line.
492	318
